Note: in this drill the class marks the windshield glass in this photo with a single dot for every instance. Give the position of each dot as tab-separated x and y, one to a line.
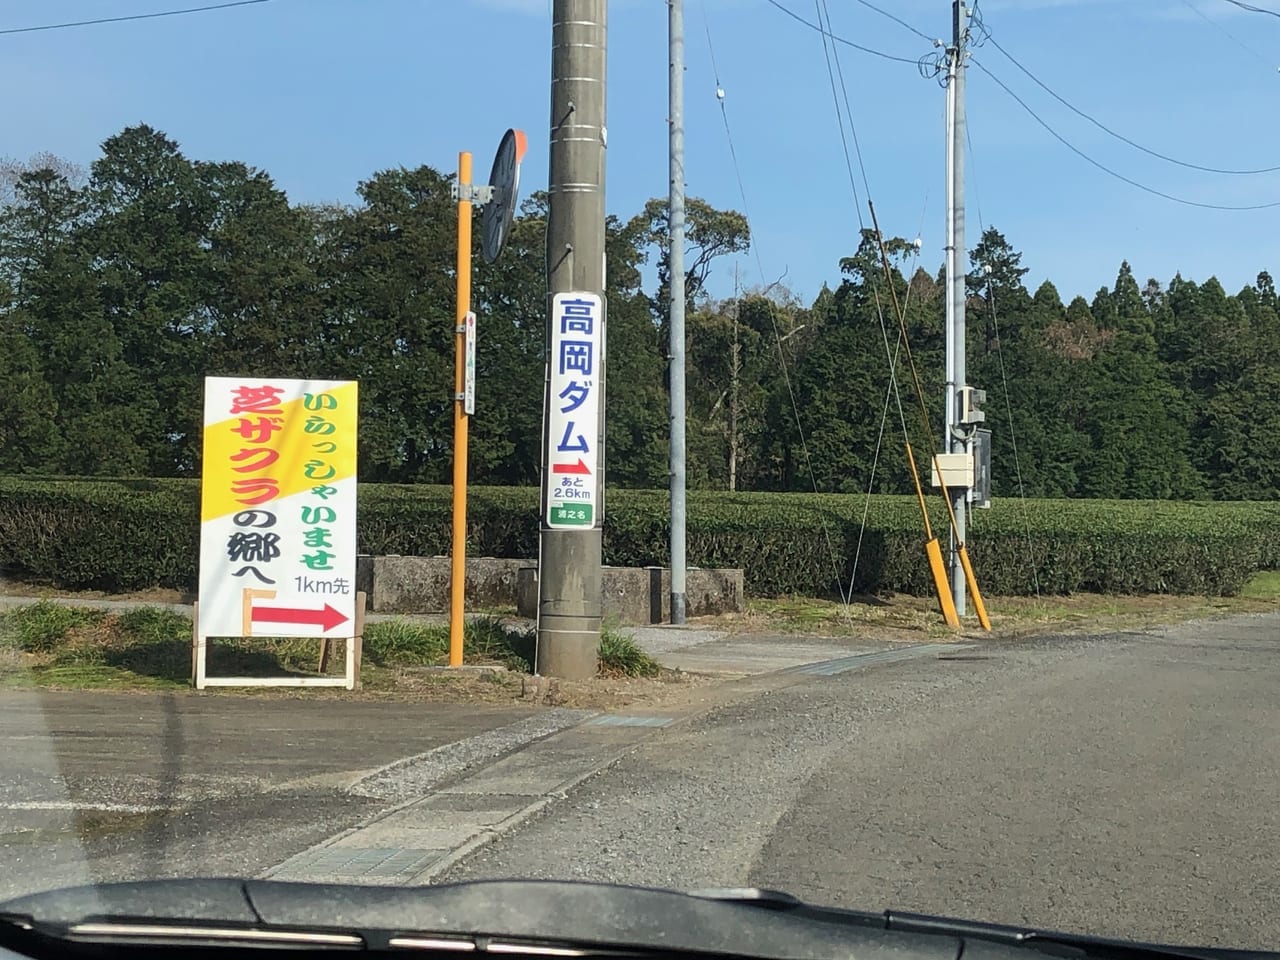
693	445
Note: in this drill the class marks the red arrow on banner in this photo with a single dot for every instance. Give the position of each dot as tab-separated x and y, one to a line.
579	467
328	618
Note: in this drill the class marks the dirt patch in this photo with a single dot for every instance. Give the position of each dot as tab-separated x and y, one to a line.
669	688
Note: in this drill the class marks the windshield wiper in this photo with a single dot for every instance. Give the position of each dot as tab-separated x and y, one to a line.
529	918
1047	941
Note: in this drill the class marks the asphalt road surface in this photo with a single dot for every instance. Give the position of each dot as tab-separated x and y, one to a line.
1125	785
97	787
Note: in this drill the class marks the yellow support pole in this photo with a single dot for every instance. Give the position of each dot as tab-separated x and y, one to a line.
458	566
932	547
933	551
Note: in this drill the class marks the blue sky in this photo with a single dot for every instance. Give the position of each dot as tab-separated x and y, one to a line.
321	93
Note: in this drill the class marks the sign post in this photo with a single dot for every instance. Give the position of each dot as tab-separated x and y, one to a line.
461	418
498	200
278	518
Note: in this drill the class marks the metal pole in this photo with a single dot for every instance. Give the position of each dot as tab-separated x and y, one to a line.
956	284
458	564
677	343
569	584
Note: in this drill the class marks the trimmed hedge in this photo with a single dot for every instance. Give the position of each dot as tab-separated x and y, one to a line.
132	534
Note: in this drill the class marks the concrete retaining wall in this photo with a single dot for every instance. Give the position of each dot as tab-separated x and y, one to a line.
421	584
632	595
642	595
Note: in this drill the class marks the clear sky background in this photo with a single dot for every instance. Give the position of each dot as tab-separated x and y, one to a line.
322	93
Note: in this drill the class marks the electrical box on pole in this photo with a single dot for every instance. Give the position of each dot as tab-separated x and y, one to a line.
971	401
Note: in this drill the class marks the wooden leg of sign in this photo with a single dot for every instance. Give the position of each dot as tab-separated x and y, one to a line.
326	648
357	649
195	642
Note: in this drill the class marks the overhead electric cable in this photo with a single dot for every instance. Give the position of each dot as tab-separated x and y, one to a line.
1107	170
135	16
1120	136
777	337
848	43
826	32
1252	9
1231	36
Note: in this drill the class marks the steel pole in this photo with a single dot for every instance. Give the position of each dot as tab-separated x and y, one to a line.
458	560
956	339
676	225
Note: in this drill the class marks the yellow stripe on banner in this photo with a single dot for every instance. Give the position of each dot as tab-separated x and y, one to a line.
224	490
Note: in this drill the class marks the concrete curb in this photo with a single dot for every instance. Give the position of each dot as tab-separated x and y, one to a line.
420	839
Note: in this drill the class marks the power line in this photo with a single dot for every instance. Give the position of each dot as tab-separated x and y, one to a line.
733	152
825	31
1252	9
828	51
898	20
848	43
1004	379
1234	39
1120	136
777	337
831	54
1107	170
136	16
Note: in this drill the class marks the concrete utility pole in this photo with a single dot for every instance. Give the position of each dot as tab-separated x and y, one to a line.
675	223
569	581
952	438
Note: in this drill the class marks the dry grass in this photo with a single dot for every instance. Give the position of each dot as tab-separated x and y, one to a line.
903	617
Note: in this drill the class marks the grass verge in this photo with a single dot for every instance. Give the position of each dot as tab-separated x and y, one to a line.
902	617
47	644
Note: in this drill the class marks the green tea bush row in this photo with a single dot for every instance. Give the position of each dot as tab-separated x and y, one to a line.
132	534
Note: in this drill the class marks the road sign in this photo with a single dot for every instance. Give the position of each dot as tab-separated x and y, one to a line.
577	339
469	366
278	508
504	178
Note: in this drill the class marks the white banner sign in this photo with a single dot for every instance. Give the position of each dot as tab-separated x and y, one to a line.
577	346
278	508
469	366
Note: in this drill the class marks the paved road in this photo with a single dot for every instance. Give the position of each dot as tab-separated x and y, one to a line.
97	786
1126	785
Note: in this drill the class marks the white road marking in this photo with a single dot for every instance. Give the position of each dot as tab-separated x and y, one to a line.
79	806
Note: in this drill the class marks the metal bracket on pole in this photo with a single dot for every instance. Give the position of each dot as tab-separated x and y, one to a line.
475	193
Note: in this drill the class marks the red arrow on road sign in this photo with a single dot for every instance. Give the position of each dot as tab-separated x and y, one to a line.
579	467
328	618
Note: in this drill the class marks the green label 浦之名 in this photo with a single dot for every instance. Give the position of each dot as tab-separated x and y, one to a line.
571	515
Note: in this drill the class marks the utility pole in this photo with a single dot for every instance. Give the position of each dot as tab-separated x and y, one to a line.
569	580
953	438
735	377
675	259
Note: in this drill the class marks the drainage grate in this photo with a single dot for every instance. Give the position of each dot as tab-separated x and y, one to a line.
623	720
830	668
364	862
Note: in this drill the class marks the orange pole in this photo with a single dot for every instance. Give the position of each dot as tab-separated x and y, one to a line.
458	567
